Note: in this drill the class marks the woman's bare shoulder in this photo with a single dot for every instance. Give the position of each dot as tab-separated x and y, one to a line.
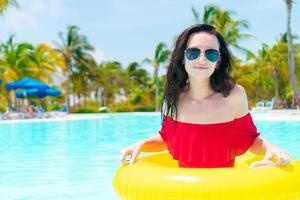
239	101
238	90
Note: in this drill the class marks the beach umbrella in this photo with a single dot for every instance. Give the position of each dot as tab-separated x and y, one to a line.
26	83
39	93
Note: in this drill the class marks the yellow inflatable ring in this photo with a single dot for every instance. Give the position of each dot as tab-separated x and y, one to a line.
158	176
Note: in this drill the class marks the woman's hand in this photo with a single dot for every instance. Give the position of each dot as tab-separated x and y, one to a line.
282	156
132	151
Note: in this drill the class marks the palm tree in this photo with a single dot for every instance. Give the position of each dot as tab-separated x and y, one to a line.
228	27
291	58
86	69
16	59
23	59
267	65
4	4
46	61
77	88
137	75
139	92
97	82
112	79
75	48
267	73
161	55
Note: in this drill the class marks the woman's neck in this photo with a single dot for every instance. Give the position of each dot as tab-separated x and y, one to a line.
199	89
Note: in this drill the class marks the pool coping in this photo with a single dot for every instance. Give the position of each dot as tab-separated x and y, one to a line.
262	115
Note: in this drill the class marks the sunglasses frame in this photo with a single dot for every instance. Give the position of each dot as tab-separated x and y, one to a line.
200	54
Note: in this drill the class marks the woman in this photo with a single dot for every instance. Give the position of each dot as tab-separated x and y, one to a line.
206	121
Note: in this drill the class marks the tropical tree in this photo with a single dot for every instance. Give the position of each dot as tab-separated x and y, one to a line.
15	60
97	82
4	4
75	48
291	58
23	59
267	76
20	60
85	72
269	71
46	61
225	24
140	91
112	79
138	76
161	55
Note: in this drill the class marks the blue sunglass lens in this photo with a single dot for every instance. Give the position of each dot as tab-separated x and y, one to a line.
192	54
212	55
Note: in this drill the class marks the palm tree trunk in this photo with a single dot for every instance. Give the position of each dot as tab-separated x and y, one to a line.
103	101
15	101
97	96
79	100
156	88
74	101
276	98
84	91
7	99
68	83
291	59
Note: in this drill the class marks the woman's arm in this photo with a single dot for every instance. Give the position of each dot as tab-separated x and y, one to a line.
152	144
239	102
262	146
258	146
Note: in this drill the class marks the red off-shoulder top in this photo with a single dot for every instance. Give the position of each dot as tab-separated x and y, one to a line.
208	145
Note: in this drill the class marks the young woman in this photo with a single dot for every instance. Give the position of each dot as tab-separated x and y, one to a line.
206	121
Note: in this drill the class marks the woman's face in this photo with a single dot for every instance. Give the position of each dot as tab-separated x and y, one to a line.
201	67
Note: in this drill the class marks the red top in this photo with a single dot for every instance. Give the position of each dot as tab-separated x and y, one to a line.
208	145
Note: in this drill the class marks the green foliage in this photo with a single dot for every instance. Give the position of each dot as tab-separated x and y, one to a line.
85	110
131	88
129	107
4	4
52	106
2	103
231	29
92	106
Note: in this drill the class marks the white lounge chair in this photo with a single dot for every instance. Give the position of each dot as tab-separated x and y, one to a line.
261	106
269	105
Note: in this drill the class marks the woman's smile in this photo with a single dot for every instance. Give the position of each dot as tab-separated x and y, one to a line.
200	67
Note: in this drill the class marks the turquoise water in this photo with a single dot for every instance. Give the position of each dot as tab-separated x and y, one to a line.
77	159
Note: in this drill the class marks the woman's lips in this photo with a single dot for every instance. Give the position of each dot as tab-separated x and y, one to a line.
200	67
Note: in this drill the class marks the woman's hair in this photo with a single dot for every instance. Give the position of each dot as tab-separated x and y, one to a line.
177	76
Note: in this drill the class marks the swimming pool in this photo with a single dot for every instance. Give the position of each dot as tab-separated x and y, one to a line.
77	159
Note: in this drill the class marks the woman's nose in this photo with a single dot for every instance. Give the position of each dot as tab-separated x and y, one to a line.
202	57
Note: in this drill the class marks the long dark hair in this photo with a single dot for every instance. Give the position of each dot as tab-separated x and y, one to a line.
220	80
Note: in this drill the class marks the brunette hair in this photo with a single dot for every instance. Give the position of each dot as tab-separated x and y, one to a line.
177	77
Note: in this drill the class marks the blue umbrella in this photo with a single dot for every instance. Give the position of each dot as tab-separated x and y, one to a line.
21	94
39	93
26	83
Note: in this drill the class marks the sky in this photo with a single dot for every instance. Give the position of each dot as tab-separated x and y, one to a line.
129	30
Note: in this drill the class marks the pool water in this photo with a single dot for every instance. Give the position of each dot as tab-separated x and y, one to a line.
77	159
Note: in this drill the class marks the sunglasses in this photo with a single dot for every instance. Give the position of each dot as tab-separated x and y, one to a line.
193	53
